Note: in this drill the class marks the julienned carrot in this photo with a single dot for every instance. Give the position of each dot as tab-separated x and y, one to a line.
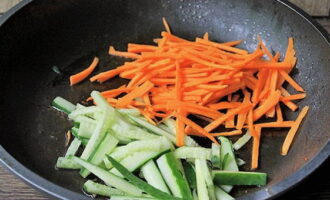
241	109
230	133
255	148
185	77
292	132
269	103
193	125
74	79
137	92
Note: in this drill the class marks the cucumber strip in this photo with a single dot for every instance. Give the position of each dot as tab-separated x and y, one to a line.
140	183
122	139
153	128
215	158
220	194
170	123
193	152
99	189
239	178
189	171
109	178
173	174
86	126
153	177
129	111
84	111
136	160
124	197
63	105
83	140
228	160
208	179
127	130
201	184
240	162
101	129
242	141
165	128
73	148
107	145
158	145
101	101
65	163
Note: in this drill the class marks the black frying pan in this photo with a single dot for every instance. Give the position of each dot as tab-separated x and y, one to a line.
69	33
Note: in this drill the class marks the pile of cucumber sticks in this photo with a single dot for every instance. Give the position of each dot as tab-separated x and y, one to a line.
134	159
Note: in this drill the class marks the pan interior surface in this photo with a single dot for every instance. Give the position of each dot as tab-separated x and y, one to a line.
67	35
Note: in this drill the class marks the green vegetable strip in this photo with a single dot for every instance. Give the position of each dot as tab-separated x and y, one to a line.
140	183
239	178
100	189
109	178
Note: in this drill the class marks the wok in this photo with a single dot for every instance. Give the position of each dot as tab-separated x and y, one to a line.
37	35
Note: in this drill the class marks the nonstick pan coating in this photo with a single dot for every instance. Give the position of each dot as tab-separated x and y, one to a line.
67	34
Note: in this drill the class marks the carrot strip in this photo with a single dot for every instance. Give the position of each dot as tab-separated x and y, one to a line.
137	92
242	116
293	97
292	132
193	125
279	114
292	82
277	124
74	79
167	27
230	133
241	109
224	105
255	148
270	102
113	52
222	46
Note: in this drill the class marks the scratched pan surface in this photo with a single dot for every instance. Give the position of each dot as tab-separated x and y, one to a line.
69	33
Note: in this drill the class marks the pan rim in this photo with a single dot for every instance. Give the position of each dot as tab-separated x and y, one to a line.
273	191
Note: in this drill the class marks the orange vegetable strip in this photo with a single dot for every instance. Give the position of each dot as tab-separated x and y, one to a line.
167	27
161	81
292	132
279	114
206	36
258	64
242	117
290	105
222	46
193	125
137	48
263	74
230	123
293	97
137	92
224	105
198	81
264	48
250	122
255	148
194	58
292	82
110	73
230	133
133	82
276	124
180	130
241	109
273	86
196	75
233	43
211	87
113	52
270	102
146	99
74	79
